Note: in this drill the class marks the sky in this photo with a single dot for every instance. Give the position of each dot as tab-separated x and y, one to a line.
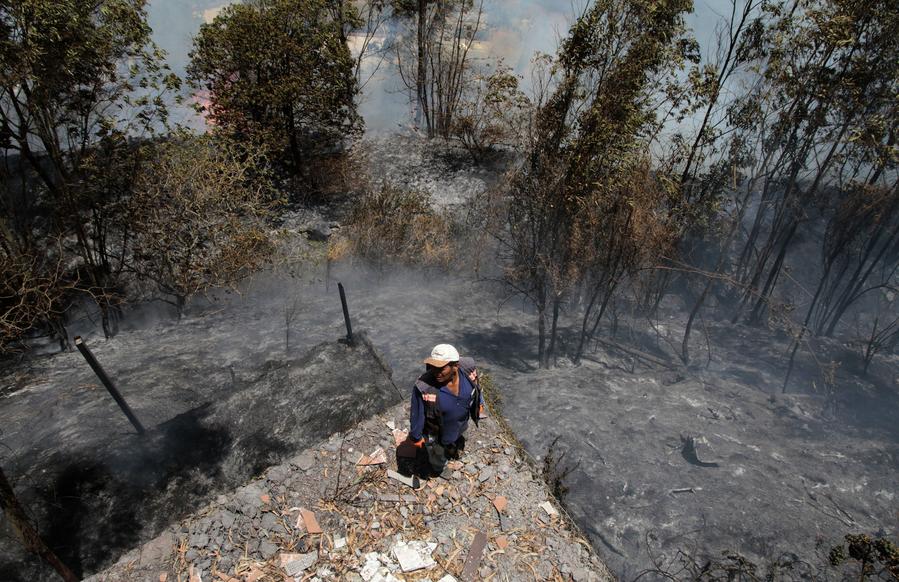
517	29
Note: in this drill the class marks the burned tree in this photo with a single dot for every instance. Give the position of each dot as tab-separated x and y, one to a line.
198	215
433	61
68	110
574	202
828	70
26	532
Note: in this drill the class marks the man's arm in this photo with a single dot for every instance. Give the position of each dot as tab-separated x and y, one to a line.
416	415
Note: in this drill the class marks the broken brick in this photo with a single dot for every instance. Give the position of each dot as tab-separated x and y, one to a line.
500	503
399	436
377	457
310	522
265	499
502	542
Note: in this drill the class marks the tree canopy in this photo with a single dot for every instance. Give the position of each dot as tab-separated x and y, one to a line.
279	74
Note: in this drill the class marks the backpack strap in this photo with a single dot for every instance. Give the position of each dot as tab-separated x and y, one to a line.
467	366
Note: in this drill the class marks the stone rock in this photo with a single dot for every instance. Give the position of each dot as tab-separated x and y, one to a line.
269	521
295	564
319	231
549	509
305	461
225	563
157	550
580	575
226	518
249	496
415	555
277	474
267	549
199	540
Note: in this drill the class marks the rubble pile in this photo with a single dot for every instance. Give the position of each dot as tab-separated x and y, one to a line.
338	511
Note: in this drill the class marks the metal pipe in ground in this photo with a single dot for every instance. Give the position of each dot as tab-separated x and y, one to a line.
101	374
346	314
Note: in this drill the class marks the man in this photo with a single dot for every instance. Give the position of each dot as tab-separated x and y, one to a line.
443	400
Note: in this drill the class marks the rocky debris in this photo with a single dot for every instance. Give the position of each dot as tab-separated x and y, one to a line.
415	555
139	484
321	516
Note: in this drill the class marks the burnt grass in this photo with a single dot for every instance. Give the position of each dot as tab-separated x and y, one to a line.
781	477
102	489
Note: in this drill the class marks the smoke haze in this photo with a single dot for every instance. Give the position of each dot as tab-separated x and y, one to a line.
512	30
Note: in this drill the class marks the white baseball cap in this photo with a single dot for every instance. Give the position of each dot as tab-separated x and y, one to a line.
441	355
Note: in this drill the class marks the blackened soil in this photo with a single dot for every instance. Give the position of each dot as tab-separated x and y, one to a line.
97	496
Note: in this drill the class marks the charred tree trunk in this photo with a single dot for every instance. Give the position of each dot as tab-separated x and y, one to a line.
421	78
22	527
541	335
551	351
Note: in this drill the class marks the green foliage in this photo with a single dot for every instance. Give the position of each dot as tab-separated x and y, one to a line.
279	74
878	558
70	71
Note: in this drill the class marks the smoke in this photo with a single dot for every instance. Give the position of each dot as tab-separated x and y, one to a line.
512	31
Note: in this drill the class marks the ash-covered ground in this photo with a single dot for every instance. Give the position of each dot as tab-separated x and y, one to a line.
215	416
791	473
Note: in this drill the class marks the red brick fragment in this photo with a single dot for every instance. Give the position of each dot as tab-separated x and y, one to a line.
310	522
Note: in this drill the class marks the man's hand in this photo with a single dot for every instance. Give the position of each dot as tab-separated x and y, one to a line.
473	375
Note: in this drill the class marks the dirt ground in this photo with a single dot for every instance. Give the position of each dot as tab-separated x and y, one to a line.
790	476
670	466
261	533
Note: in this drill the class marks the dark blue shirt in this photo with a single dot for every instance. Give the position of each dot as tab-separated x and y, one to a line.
453	411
